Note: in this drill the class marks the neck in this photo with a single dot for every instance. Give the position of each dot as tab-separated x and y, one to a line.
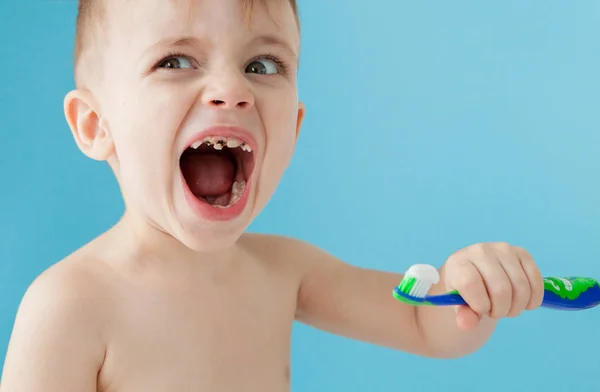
145	237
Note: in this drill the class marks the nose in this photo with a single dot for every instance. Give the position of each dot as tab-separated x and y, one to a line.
228	90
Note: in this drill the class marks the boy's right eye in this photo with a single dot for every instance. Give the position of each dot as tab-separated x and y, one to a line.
175	62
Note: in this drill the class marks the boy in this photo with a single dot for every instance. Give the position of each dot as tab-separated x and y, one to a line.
194	106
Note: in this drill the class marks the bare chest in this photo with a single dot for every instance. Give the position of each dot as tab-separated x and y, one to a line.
195	337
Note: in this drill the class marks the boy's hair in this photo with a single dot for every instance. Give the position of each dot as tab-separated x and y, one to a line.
91	14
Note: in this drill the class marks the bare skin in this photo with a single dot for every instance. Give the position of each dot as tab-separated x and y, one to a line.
171	299
106	321
113	317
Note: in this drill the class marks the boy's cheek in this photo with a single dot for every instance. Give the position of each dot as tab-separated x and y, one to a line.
150	123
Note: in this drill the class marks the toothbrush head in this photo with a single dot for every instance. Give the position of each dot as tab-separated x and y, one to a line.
416	283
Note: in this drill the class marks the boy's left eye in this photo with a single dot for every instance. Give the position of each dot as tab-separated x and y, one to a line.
176	62
262	67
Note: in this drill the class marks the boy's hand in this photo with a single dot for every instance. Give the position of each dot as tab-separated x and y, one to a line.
496	280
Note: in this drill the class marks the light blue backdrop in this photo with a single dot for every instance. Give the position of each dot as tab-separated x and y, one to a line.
431	126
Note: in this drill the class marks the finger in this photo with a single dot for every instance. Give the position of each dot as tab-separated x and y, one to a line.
466	318
469	282
521	289
536	281
496	282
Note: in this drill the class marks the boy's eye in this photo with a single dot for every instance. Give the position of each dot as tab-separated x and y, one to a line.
262	67
176	62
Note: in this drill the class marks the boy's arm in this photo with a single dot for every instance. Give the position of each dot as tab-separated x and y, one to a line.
55	344
358	303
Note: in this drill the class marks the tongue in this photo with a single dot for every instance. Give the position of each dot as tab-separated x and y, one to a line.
208	174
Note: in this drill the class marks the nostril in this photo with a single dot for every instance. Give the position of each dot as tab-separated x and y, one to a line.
218	102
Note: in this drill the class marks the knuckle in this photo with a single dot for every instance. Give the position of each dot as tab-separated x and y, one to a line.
501	289
521	285
482	248
520	296
465	279
477	251
523	253
506	251
503	246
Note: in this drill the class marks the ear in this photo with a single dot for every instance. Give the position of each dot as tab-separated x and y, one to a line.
90	132
301	113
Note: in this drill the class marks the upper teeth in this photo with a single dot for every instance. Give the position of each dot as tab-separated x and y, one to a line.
218	143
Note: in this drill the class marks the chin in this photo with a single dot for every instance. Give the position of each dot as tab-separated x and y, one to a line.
202	236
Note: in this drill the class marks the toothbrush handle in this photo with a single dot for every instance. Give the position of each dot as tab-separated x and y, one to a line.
573	293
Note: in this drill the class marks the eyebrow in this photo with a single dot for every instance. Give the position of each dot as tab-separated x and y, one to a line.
181	42
267	40
275	41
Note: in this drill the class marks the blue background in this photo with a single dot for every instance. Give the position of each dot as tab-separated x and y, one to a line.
431	126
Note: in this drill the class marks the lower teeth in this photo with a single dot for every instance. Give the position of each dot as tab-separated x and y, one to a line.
237	190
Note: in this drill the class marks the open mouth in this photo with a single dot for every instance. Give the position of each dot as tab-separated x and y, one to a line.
217	169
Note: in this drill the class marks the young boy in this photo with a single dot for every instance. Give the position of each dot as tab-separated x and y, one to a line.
194	106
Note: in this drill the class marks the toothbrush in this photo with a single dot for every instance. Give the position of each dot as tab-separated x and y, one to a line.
571	293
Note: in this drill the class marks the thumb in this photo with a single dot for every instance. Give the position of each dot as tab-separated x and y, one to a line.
466	318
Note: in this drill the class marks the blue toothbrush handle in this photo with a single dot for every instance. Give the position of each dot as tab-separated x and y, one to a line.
448	299
559	293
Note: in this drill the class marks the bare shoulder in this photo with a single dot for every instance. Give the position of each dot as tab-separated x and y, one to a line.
291	252
75	284
70	294
308	263
59	327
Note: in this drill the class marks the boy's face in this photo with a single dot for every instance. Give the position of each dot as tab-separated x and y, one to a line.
176	73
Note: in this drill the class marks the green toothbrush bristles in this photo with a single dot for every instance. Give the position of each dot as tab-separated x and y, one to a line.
406	284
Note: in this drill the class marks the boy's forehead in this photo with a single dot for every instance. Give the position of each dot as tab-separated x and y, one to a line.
146	22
